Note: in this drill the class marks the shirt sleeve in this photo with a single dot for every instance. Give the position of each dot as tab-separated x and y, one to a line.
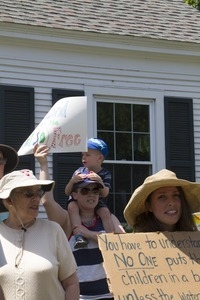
106	177
67	263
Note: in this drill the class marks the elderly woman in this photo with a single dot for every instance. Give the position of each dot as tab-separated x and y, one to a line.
163	203
35	258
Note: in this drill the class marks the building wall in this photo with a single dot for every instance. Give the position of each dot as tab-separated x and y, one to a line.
103	72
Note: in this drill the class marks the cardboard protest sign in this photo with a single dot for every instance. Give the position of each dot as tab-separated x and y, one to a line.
153	266
63	129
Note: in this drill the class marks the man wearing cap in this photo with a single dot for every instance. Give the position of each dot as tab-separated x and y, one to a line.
92	169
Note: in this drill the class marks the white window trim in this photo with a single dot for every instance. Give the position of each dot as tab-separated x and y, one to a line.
156	101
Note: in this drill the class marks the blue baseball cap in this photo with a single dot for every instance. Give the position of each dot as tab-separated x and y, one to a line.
98	144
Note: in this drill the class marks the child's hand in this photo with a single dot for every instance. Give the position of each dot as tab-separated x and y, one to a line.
94	176
78	177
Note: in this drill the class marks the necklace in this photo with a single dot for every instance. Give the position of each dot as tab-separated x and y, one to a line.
19	226
89	223
23	228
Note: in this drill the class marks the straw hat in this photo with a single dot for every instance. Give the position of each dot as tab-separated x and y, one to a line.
136	204
12	158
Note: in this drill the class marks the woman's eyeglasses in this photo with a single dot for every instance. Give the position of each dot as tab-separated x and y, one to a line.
85	191
3	161
32	194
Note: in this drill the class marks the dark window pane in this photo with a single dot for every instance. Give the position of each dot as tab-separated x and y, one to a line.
141	147
139	174
140	118
108	138
123	146
123	117
122	182
125	179
105	117
119	204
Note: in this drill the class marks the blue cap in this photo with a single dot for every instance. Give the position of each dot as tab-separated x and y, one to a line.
98	144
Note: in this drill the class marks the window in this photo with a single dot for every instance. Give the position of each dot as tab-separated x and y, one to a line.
125	127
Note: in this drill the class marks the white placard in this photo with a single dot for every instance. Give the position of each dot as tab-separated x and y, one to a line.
63	129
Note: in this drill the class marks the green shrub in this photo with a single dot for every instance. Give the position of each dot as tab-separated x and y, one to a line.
194	3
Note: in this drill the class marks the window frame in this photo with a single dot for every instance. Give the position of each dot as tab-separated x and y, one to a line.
132	101
112	164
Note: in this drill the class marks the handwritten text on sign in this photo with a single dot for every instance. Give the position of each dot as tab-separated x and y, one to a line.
152	266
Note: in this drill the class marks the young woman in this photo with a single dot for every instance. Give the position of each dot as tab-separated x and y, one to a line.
163	203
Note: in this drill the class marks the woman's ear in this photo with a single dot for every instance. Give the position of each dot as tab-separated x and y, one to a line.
101	158
7	202
148	206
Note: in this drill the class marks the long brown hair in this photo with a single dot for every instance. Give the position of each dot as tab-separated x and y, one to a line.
147	222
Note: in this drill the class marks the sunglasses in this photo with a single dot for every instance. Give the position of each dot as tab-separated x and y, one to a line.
3	161
32	194
86	191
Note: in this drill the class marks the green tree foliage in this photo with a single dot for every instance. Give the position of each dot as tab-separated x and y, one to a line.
194	3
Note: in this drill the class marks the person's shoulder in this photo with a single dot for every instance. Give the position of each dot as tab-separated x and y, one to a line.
104	171
48	223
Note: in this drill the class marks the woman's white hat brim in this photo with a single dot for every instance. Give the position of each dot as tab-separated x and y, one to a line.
136	204
21	178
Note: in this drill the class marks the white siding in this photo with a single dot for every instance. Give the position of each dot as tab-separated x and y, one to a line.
102	71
